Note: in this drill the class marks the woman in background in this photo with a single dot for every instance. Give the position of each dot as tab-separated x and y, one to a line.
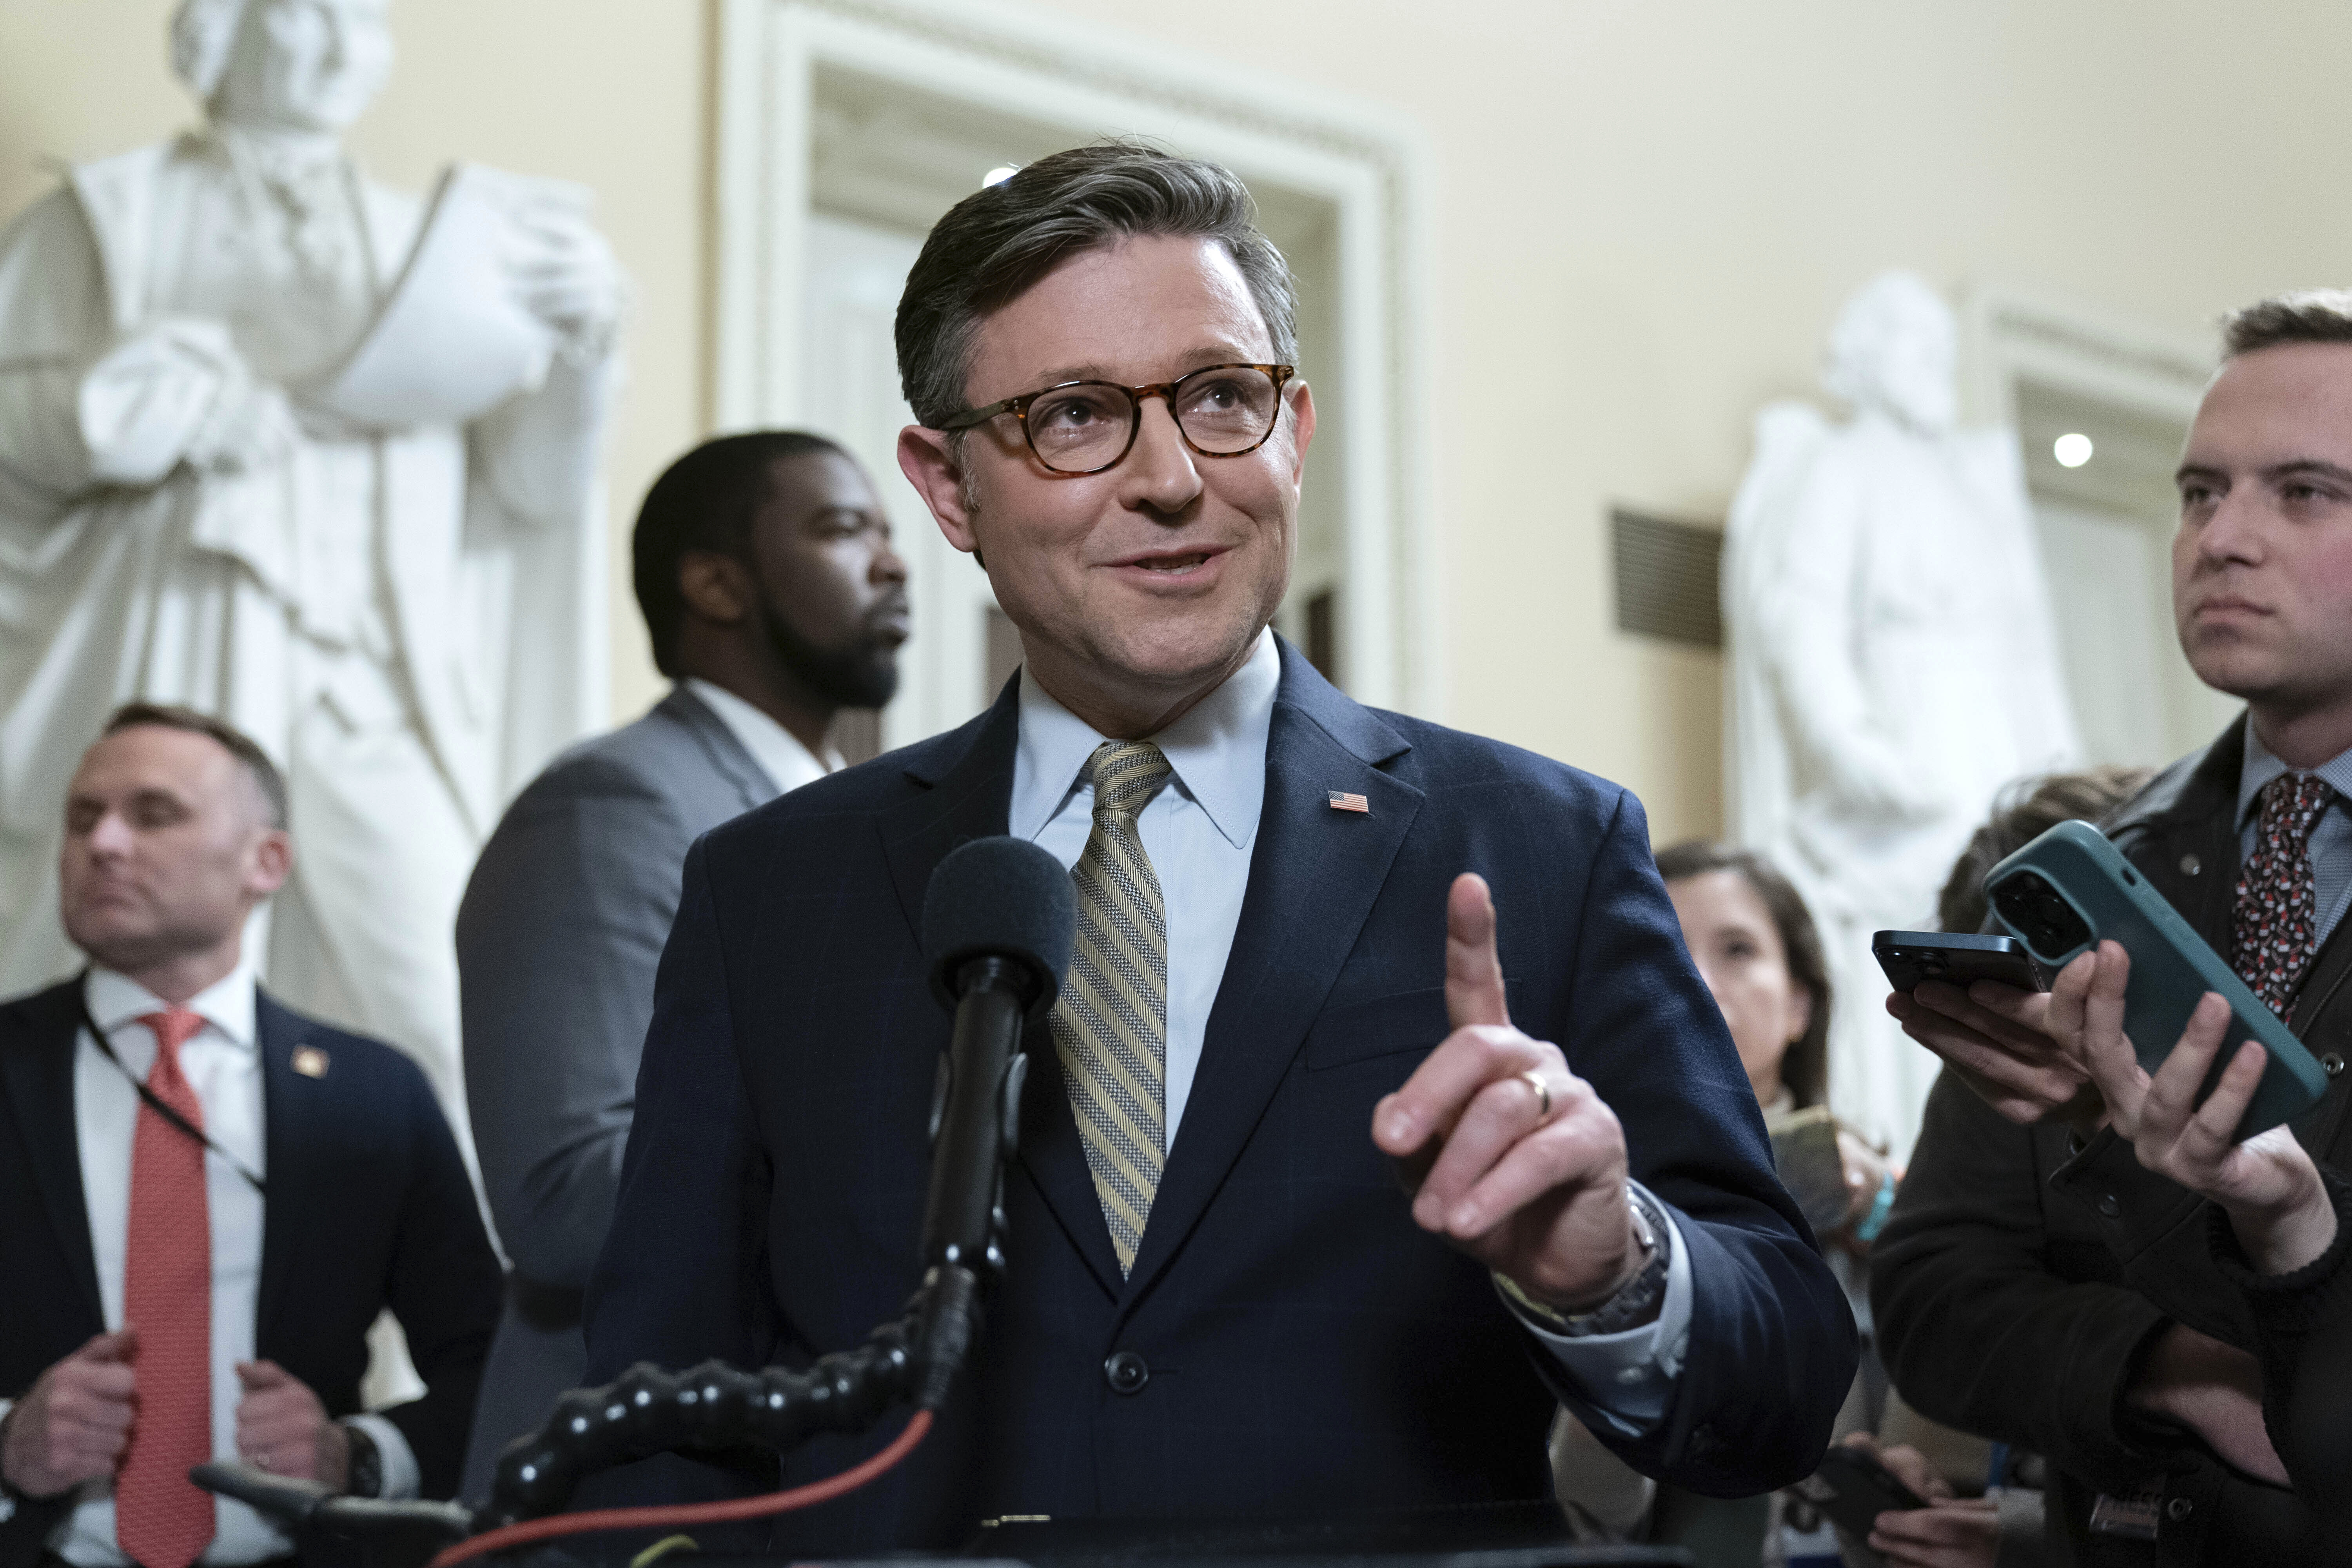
1757	948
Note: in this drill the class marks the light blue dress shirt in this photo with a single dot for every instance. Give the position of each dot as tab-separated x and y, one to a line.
2330	843
1199	831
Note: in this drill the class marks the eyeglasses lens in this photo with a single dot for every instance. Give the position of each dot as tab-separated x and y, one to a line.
1084	426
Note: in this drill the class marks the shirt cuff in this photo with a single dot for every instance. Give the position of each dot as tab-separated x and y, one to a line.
401	1475
1627	1378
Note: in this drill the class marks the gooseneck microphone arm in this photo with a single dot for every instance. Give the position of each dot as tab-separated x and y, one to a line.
649	1411
998	922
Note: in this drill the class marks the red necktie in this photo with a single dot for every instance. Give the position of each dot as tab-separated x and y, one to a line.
2276	931
161	1520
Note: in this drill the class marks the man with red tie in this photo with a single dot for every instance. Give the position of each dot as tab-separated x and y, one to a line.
205	1199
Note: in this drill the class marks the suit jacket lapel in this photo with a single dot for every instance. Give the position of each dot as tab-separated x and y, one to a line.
38	1068
735	765
297	1124
1308	857
969	774
968	777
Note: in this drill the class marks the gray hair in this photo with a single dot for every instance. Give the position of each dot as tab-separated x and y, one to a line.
993	243
2305	316
203	34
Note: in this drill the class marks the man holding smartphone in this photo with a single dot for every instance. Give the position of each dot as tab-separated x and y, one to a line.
2111	1313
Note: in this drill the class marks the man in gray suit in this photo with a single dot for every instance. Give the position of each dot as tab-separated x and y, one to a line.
764	569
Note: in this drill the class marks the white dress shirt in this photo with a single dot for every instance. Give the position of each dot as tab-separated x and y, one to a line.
788	763
222	1062
1199	831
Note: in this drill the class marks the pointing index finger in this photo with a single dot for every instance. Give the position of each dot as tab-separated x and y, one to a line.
1473	973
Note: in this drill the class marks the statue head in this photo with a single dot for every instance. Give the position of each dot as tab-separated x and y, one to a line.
283	65
1895	349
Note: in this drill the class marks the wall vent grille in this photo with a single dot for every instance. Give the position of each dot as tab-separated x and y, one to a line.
1667	578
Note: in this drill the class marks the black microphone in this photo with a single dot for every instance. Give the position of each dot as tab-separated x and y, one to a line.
998	921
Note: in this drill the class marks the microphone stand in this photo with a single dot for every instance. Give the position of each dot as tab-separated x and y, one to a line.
975	1122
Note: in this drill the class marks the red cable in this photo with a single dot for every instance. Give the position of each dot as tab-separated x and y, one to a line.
668	1514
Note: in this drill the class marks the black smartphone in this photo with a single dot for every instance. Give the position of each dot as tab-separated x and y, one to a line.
1957	958
1852	1489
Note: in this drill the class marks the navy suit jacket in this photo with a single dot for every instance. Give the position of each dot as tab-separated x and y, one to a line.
368	1207
1309	1348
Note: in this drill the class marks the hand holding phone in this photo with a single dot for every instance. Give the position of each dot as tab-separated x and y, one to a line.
2070	892
2267	1184
1852	1489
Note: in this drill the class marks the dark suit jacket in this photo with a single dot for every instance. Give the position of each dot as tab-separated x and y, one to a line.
562	924
2018	1282
368	1207
1308	1348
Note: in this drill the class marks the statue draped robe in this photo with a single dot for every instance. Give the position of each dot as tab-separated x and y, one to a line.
410	621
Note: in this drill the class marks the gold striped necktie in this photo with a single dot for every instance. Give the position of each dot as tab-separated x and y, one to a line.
1110	1024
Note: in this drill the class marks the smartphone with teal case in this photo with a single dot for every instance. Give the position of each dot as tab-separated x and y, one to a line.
2071	889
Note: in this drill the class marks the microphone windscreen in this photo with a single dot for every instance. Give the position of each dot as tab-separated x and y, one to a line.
1001	898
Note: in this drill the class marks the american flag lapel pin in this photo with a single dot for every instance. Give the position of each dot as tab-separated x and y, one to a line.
1342	801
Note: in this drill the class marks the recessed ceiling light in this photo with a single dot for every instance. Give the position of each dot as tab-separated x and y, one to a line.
2073	450
998	175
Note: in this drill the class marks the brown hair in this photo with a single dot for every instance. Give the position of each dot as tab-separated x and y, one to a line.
993	243
2023	812
1805	1069
258	766
2305	316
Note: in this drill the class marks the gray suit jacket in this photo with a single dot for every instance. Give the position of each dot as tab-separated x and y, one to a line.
558	938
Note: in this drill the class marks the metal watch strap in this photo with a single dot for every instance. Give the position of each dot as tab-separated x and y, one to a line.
1634	1304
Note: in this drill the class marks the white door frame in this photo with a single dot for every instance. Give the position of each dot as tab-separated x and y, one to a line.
1360	157
2012	335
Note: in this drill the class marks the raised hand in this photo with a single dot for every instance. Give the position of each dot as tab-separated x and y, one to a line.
2267	1185
1516	1161
283	1428
74	1424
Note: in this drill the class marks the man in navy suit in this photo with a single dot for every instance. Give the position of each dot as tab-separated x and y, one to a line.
1302	1218
205	1199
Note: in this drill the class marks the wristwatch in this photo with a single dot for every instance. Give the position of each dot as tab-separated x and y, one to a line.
363	1475
1634	1303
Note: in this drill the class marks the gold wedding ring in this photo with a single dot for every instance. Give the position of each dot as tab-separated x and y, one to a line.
1533	1079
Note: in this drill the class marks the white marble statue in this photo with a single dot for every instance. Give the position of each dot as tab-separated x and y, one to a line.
1892	657
317	457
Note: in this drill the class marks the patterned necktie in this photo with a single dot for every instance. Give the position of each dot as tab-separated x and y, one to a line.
160	1519
1110	1025
2277	929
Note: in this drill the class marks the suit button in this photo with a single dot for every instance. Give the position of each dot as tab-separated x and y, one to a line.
2180	1507
1127	1372
2333	1062
2191	865
2109	1205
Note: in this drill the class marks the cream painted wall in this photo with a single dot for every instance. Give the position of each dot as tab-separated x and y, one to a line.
1645	213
